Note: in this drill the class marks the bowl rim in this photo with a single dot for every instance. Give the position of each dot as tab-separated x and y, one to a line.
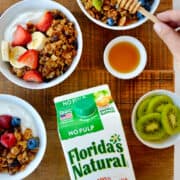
71	69
155	145
143	57
41	152
128	27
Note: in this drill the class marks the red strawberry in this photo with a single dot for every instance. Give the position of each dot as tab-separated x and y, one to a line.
33	76
8	140
5	121
45	22
21	37
29	58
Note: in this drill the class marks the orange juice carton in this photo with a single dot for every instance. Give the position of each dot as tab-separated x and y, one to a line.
92	136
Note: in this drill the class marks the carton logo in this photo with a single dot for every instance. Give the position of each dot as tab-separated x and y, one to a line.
92	159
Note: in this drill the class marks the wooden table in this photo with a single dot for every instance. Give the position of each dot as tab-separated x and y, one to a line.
149	164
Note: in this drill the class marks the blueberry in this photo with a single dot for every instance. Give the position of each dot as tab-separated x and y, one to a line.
110	22
33	143
15	122
139	16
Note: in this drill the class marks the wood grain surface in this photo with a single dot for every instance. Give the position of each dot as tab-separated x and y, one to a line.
149	164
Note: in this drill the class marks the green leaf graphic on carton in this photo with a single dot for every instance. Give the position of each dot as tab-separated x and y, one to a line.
101	94
102	98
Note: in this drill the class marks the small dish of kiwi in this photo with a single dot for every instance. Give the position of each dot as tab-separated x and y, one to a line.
156	119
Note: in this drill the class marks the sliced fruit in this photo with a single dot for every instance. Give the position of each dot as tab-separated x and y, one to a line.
5	50
38	41
33	76
29	58
21	37
142	108
97	4
171	119
157	103
15	53
5	121
150	128
8	140
45	22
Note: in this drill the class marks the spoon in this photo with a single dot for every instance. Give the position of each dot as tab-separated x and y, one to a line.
133	6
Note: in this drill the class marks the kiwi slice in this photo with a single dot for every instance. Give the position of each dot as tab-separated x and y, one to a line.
142	108
150	128
171	119
97	4
158	103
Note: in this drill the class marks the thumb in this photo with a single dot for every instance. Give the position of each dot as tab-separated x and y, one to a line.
169	36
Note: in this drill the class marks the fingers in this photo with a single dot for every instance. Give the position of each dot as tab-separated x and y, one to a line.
170	37
170	16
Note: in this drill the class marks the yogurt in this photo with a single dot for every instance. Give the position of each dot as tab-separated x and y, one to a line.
22	19
13	109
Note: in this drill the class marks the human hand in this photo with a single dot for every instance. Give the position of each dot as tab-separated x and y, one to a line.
169	21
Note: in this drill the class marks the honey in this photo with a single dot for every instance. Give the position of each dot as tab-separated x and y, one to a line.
124	57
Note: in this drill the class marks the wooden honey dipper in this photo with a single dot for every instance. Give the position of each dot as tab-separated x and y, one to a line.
133	6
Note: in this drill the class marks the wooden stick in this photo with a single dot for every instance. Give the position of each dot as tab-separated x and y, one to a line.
148	14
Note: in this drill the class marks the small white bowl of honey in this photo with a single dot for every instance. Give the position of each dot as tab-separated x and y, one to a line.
125	57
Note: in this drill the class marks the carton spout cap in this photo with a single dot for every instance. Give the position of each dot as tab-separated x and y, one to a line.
84	107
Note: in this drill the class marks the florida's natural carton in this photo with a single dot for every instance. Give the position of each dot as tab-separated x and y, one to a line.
92	136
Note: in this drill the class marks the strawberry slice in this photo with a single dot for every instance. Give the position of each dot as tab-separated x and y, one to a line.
45	22
21	37
5	121
29	58
8	140
33	76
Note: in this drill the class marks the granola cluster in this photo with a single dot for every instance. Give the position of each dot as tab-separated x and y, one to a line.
17	148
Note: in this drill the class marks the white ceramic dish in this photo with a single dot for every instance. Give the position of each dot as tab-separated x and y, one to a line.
131	26
169	141
141	65
20	108
25	6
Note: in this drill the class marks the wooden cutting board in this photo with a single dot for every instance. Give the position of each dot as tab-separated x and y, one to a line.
149	164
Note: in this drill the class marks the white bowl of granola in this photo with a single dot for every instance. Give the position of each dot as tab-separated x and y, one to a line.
106	13
41	46
23	138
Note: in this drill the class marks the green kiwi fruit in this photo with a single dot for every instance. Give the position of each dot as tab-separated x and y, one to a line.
171	119
142	108
150	128
158	103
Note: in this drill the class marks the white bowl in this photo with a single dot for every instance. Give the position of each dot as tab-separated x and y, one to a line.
142	62
131	26
15	106
170	141
25	6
